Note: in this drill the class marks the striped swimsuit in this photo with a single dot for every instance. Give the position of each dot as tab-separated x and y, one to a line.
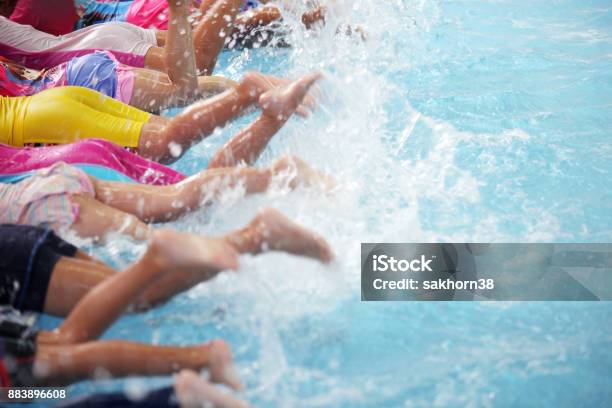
44	198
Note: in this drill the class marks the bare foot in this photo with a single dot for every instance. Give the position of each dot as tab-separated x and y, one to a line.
193	391
279	104
254	84
173	249
275	231
304	174
310	100
221	365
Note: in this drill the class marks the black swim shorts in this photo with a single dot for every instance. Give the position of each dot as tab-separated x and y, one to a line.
27	258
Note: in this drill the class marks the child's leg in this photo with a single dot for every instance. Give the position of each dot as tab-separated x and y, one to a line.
160	35
122	208
173	263
96	220
65	364
278	105
71	280
162	203
155	58
180	61
208	85
153	90
272	231
268	231
200	119
168	252
209	35
212	30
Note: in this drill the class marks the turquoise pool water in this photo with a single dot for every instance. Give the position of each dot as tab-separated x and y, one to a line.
457	121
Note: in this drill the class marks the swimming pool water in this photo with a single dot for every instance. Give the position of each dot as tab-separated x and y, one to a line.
463	120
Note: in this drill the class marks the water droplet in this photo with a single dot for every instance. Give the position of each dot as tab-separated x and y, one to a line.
175	149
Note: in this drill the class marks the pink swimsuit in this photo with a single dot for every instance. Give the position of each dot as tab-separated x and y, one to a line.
44	199
100	153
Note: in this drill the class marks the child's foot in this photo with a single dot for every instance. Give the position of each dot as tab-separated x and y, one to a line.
304	174
254	84
221	366
193	391
279	104
173	249
275	231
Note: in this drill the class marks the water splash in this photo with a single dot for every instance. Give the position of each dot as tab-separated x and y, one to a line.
422	152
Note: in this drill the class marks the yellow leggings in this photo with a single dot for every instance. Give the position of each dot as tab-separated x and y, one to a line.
66	114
